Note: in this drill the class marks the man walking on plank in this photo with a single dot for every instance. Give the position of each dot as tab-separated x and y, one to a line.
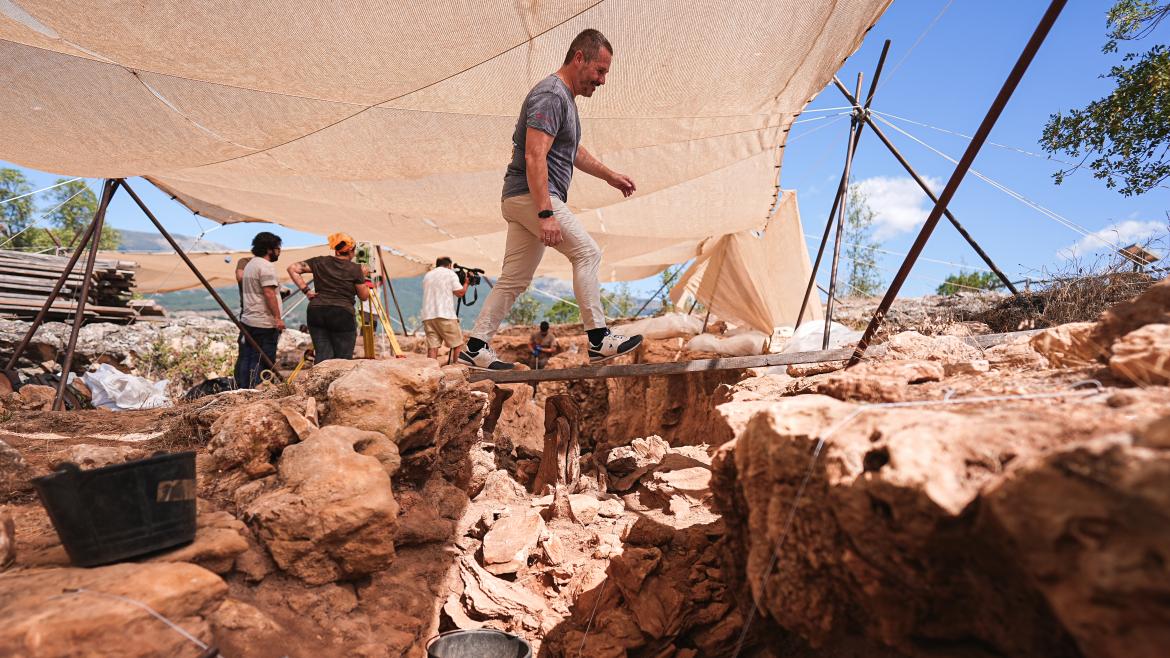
545	148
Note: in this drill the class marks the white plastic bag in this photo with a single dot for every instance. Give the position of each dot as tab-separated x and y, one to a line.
808	337
113	389
670	325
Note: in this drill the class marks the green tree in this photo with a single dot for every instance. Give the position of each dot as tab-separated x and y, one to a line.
619	302
564	312
73	206
668	277
861	249
15	216
1124	138
969	282
524	311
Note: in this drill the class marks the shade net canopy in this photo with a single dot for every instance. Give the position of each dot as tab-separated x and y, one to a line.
164	271
392	121
739	276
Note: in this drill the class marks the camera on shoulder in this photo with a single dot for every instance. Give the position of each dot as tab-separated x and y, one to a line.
472	276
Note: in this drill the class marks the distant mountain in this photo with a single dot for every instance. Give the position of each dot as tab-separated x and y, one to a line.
152	241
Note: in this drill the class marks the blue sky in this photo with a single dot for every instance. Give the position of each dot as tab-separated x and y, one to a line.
947	80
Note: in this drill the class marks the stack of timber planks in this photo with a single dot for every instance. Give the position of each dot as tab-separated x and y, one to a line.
27	279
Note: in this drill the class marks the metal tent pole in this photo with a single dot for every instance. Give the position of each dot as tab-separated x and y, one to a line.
202	279
94	237
993	113
390	286
929	192
53	295
812	277
854	129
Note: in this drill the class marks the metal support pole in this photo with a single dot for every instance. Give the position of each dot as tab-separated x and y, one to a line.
952	186
812	277
202	279
668	281
929	192
854	128
40	317
95	238
390	286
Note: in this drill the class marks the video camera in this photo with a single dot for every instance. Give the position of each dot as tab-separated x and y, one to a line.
472	276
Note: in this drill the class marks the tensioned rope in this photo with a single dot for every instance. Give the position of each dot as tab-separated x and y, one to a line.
36	222
813	238
956	133
917	41
1053	215
43	189
1097	389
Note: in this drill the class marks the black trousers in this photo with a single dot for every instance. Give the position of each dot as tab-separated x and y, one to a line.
333	331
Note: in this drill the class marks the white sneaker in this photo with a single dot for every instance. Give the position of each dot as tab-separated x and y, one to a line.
611	346
485	359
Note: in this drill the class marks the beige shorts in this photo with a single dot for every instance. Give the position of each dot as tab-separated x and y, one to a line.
442	331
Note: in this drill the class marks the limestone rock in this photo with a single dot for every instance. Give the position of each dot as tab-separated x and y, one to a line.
584	508
244	626
15	473
7	540
521	422
394	397
218	540
1089	524
1155	434
863	387
1143	356
1150	307
1068	345
507	545
250	437
612	508
333	515
34	397
90	456
810	369
972	367
495	598
626	464
1016	354
914	346
36	619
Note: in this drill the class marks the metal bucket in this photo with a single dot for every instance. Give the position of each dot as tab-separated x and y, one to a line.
481	643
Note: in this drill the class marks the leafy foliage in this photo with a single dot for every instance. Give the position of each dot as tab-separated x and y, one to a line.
1125	137
861	250
564	312
969	282
619	302
15	216
70	208
524	311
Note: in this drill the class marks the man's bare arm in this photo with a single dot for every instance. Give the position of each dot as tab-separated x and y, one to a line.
594	167
536	146
270	300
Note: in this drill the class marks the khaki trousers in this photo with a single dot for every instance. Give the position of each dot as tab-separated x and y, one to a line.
522	255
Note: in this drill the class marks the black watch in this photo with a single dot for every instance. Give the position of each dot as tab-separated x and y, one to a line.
544	214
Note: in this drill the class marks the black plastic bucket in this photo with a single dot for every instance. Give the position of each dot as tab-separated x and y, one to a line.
122	511
482	643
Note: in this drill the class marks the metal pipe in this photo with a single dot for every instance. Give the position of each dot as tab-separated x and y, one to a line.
812	277
669	280
854	128
95	238
390	286
202	279
993	113
929	192
56	292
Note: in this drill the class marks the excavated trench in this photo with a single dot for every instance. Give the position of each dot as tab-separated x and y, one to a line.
708	514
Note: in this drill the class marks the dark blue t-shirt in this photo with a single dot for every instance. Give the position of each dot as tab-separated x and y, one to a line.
549	108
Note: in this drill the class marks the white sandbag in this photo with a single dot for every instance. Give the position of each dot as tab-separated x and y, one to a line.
113	389
670	325
808	337
744	344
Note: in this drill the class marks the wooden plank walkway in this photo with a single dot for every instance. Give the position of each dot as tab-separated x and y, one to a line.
702	365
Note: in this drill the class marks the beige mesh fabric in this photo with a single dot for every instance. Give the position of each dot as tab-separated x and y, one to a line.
739	278
166	272
392	121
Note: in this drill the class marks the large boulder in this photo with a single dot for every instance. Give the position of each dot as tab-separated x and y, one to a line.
250	437
107	611
332	514
1143	355
1150	307
1089	524
911	345
394	397
1068	345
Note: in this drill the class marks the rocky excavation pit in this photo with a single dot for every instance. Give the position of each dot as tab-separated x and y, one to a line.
1011	511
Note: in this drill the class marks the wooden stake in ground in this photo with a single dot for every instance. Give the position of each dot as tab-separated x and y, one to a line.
560	465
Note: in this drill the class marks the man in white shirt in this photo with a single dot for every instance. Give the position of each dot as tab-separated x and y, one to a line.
440	288
261	314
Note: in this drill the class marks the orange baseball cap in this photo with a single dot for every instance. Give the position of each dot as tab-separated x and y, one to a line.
340	241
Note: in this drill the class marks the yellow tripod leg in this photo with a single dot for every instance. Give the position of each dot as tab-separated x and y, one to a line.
398	353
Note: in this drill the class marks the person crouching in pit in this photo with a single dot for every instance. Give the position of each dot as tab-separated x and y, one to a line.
337	281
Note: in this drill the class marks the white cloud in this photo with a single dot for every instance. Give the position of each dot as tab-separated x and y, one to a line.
898	203
1121	234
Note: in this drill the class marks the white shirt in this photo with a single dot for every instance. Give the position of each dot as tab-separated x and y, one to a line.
259	274
438	299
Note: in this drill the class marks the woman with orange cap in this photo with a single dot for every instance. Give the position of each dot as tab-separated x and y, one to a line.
337	280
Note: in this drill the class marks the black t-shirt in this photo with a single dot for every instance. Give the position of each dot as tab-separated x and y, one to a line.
334	280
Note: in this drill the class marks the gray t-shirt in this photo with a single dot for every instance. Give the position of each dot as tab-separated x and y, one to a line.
259	274
549	108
